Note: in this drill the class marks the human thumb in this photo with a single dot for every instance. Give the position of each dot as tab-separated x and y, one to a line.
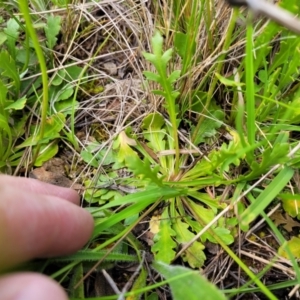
30	286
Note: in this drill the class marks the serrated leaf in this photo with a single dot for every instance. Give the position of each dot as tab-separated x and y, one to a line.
175	94
150	57
52	30
187	284
160	60
205	214
167	55
12	34
163	248
159	92
174	76
18	104
203	167
134	163
209	126
224	234
228	154
143	168
194	255
20	126
157	44
270	157
8	68
152	76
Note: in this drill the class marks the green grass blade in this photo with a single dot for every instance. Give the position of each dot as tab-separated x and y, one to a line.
267	196
250	100
88	255
140	202
149	195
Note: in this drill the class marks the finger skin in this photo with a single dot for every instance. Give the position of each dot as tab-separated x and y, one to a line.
30	286
35	225
38	187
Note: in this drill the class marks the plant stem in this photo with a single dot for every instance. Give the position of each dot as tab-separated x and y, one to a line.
24	8
250	101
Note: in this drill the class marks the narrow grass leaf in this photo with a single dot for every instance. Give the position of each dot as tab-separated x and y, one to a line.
3	96
250	101
142	201
76	277
228	82
150	194
5	138
125	213
139	283
90	255
282	241
267	196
